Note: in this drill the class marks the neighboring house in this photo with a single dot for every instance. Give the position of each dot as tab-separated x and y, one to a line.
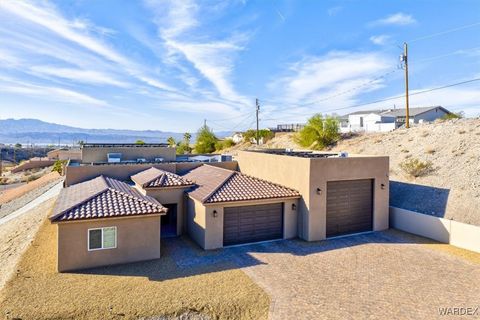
237	137
33	163
389	119
264	195
65	154
126	152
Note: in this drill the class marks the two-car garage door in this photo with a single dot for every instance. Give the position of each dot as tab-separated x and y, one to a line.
349	206
252	223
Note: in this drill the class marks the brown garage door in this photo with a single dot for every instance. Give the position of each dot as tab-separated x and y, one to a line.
349	206
252	223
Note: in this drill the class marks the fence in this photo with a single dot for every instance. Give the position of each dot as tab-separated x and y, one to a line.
456	233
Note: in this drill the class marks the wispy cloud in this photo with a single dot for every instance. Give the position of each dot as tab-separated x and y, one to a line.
76	31
313	76
213	59
380	39
333	11
78	75
49	92
398	19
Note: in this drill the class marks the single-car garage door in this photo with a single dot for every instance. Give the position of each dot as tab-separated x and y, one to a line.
349	206
252	223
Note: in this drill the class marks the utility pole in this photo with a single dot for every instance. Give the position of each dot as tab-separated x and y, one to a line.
204	123
257	105
404	59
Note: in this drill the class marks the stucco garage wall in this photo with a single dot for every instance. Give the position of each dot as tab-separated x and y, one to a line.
207	230
168	196
196	221
293	172
77	174
138	238
306	175
351	168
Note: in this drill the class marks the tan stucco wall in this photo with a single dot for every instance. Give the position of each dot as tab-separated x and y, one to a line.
207	230
334	169
196	221
306	175
77	174
99	155
169	196
138	239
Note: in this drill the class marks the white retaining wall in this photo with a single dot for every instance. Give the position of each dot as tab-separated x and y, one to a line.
456	233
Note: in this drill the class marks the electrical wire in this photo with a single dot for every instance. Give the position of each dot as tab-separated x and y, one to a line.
445	32
340	93
389	99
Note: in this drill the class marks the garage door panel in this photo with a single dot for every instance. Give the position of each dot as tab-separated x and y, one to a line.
252	223
349	206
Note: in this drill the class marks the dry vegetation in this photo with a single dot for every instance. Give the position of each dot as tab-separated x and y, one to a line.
14	193
134	291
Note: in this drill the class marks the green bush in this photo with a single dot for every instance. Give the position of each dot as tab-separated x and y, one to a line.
139	142
251	135
206	140
318	133
452	115
58	166
415	167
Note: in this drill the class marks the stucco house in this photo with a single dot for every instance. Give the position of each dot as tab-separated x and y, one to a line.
388	119
104	221
125	210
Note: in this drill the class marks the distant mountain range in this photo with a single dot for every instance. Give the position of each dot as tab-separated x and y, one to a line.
27	131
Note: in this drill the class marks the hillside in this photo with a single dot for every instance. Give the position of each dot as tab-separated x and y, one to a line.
40	132
452	190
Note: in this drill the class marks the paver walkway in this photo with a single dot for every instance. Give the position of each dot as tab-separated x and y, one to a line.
383	275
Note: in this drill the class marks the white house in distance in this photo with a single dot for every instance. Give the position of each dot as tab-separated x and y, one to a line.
388	119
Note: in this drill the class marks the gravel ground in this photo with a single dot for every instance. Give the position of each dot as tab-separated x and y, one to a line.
19	202
16	235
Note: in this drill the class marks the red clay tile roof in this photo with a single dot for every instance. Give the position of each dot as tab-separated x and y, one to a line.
221	185
157	178
102	197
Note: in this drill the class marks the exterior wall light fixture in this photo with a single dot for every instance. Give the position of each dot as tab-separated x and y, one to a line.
382	186
319	191
294	207
215	213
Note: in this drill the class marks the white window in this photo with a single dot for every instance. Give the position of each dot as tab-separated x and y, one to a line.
102	238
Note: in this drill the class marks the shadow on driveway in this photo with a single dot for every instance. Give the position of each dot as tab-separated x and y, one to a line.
183	258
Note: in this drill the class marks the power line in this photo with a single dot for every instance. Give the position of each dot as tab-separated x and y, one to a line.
340	93
446	32
391	98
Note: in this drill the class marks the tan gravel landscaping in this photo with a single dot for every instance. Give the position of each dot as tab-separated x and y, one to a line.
134	291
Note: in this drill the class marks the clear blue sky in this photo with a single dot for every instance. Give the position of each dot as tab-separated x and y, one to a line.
167	65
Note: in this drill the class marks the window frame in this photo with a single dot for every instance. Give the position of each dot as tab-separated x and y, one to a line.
102	248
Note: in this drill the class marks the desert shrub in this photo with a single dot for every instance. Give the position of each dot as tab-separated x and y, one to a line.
206	139
140	142
452	115
430	151
58	166
223	144
462	131
415	167
319	132
264	134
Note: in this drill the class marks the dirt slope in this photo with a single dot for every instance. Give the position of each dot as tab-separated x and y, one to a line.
452	190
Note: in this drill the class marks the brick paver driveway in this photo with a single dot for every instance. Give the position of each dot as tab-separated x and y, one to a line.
382	275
